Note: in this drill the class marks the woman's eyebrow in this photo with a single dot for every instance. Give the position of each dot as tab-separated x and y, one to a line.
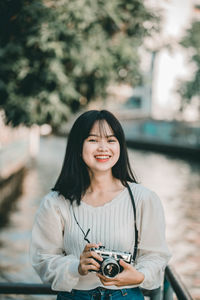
111	135
93	134
96	135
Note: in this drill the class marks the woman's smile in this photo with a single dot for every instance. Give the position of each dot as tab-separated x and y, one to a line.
102	158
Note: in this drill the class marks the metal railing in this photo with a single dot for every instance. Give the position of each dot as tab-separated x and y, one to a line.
176	284
172	285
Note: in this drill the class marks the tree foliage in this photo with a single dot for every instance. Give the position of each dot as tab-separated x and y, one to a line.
58	55
191	41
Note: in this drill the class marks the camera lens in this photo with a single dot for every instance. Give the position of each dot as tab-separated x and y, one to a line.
110	268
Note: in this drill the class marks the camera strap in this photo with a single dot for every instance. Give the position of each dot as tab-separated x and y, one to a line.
135	225
84	234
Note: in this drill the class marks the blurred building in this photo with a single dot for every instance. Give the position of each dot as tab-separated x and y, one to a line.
172	63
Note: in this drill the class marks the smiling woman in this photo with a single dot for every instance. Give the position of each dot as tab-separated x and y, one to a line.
90	129
94	198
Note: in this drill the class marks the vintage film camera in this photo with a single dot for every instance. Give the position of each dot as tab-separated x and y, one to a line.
110	266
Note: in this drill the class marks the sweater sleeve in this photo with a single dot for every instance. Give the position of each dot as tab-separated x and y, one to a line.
153	253
46	249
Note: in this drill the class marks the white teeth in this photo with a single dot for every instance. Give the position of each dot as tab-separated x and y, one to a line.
102	157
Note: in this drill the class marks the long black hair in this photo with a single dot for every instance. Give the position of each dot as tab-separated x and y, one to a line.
74	178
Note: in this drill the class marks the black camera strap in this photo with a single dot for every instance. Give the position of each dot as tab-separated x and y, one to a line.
135	225
84	234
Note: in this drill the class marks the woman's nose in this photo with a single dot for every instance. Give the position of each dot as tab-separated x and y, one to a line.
102	146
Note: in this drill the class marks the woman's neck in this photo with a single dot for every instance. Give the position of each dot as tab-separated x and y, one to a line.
103	188
104	182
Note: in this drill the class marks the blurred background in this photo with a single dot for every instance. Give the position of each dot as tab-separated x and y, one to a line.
138	59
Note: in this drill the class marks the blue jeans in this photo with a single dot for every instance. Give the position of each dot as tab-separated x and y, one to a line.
101	293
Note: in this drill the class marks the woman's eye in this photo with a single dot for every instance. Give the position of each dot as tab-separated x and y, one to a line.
111	141
92	140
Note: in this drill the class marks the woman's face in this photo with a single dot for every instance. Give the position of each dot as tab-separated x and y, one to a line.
101	149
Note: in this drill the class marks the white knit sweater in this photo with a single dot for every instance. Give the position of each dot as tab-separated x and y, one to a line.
57	241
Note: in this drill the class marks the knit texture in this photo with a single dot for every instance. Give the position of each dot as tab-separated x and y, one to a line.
57	240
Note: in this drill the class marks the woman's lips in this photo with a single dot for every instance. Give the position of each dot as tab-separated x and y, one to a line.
102	158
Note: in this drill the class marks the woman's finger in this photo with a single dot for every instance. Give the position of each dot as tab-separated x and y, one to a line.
124	264
84	268
106	279
107	283
96	256
87	252
89	246
91	261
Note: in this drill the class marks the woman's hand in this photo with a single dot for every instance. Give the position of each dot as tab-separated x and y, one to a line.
87	260
129	276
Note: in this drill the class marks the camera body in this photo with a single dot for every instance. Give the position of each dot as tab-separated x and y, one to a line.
110	266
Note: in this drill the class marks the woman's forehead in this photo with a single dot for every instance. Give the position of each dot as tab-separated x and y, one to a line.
101	128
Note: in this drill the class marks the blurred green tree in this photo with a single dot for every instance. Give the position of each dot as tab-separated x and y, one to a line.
56	56
191	88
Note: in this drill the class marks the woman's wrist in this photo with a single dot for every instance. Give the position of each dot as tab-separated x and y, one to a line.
140	277
80	270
